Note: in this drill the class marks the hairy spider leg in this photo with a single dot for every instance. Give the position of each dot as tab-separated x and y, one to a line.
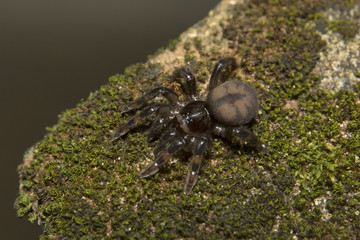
189	85
157	109
198	154
222	70
169	94
240	135
176	145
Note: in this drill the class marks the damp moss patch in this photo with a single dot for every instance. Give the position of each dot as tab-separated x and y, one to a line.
347	28
81	185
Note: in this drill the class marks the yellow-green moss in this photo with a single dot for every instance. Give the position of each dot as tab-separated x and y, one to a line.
347	28
79	184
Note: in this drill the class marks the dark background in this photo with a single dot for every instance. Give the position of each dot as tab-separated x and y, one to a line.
53	53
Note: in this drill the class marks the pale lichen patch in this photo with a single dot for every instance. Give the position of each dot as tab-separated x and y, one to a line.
339	64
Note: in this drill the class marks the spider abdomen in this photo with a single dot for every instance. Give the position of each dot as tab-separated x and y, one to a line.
233	103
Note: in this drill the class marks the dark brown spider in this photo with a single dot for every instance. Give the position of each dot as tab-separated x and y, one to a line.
188	124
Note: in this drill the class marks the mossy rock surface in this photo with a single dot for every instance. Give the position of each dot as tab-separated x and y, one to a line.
81	185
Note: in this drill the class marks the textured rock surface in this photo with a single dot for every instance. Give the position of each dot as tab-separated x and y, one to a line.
339	64
304	65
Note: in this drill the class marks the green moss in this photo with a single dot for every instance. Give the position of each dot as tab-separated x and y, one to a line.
79	184
172	44
347	28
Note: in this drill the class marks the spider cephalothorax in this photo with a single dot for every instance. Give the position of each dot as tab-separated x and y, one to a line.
188	124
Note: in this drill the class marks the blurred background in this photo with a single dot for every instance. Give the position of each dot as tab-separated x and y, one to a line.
54	53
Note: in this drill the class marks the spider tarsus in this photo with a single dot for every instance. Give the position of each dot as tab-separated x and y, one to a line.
190	182
187	82
150	170
122	130
124	110
154	167
222	70
150	137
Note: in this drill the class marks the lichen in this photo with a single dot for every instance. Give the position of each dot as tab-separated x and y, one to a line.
79	184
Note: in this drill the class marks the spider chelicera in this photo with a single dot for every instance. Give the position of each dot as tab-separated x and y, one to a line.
188	124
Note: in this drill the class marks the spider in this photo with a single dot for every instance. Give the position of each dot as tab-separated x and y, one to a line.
188	124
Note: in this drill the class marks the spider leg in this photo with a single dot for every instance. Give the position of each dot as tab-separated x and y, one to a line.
198	152
169	94
164	139
223	68
176	145
240	135
189	85
136	120
245	136
157	127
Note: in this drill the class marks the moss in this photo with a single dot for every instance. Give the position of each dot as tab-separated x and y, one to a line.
347	28
172	44
80	184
